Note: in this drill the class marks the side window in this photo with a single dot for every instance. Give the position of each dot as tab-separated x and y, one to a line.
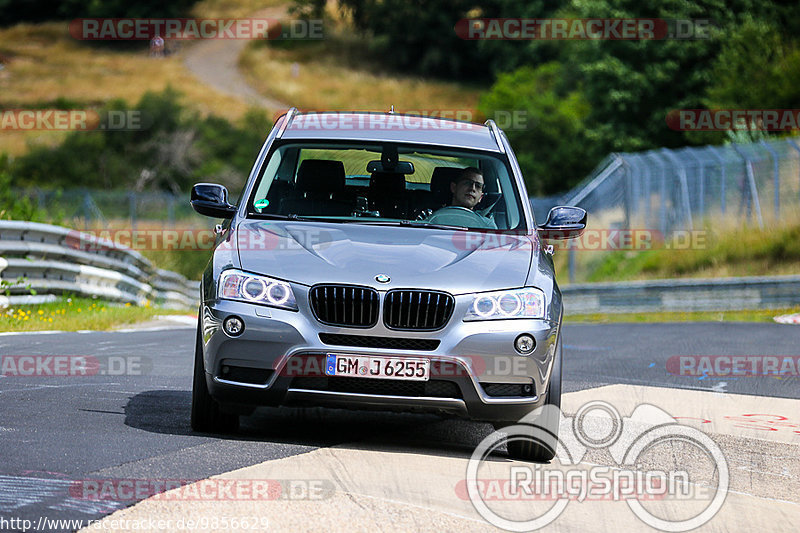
266	180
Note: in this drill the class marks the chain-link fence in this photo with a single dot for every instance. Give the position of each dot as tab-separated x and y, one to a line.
83	208
670	190
664	191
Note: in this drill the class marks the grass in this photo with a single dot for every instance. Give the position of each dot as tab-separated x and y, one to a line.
72	314
184	247
336	74
45	64
759	315
723	252
233	8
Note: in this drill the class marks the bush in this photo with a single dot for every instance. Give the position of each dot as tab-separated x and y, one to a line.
176	149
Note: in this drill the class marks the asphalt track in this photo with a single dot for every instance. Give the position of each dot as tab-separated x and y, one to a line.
371	471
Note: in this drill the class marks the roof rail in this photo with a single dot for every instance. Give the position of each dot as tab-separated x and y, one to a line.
289	116
494	131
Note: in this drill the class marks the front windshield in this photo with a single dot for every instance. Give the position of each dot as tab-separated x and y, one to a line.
388	184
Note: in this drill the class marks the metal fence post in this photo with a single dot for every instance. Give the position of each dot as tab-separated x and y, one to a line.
794	145
776	178
627	197
751	178
171	209
132	206
684	185
721	160
701	193
87	208
571	264
662	192
646	192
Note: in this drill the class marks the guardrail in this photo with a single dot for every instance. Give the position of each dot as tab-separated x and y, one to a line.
722	294
55	260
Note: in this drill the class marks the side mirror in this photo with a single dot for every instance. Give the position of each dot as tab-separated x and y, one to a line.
211	200
564	222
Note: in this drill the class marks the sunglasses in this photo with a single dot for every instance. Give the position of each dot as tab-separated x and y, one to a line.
472	183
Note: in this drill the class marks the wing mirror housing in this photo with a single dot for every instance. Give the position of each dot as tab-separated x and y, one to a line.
564	222
211	200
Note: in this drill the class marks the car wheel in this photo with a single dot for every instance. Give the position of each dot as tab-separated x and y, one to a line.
206	414
542	448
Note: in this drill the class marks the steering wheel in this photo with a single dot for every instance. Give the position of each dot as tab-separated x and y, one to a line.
486	211
454	215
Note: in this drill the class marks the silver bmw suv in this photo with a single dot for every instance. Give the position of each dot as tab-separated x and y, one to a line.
381	261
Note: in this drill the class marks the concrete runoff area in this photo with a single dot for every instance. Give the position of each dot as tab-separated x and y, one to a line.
362	487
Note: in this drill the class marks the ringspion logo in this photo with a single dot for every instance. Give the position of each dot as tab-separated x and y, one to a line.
692	491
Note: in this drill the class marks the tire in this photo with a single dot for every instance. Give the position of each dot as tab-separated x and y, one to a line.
207	417
543	448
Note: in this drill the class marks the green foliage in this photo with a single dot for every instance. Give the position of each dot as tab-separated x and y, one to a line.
174	149
628	86
756	68
419	35
549	129
14	11
12	205
188	262
308	8
745	251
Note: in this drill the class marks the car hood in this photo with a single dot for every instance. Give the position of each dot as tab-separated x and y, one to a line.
455	261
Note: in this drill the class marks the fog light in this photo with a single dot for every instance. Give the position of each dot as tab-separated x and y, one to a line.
524	344
233	326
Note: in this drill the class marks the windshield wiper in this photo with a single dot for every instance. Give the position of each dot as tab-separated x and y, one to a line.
273	216
291	216
407	224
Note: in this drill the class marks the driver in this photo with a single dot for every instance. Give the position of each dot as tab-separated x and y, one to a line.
467	192
467	189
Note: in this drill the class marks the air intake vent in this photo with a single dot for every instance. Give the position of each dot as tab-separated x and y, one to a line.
243	374
436	388
345	305
365	341
417	310
508	389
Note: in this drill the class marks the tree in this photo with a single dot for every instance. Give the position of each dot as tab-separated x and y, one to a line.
547	126
14	11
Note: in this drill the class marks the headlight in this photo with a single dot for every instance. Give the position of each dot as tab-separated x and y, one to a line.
527	302
238	285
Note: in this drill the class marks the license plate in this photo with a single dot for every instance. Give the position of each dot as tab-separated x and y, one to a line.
364	366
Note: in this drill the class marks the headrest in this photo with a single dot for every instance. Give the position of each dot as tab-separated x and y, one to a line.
440	182
321	175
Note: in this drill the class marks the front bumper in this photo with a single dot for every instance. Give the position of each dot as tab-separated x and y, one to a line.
475	371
